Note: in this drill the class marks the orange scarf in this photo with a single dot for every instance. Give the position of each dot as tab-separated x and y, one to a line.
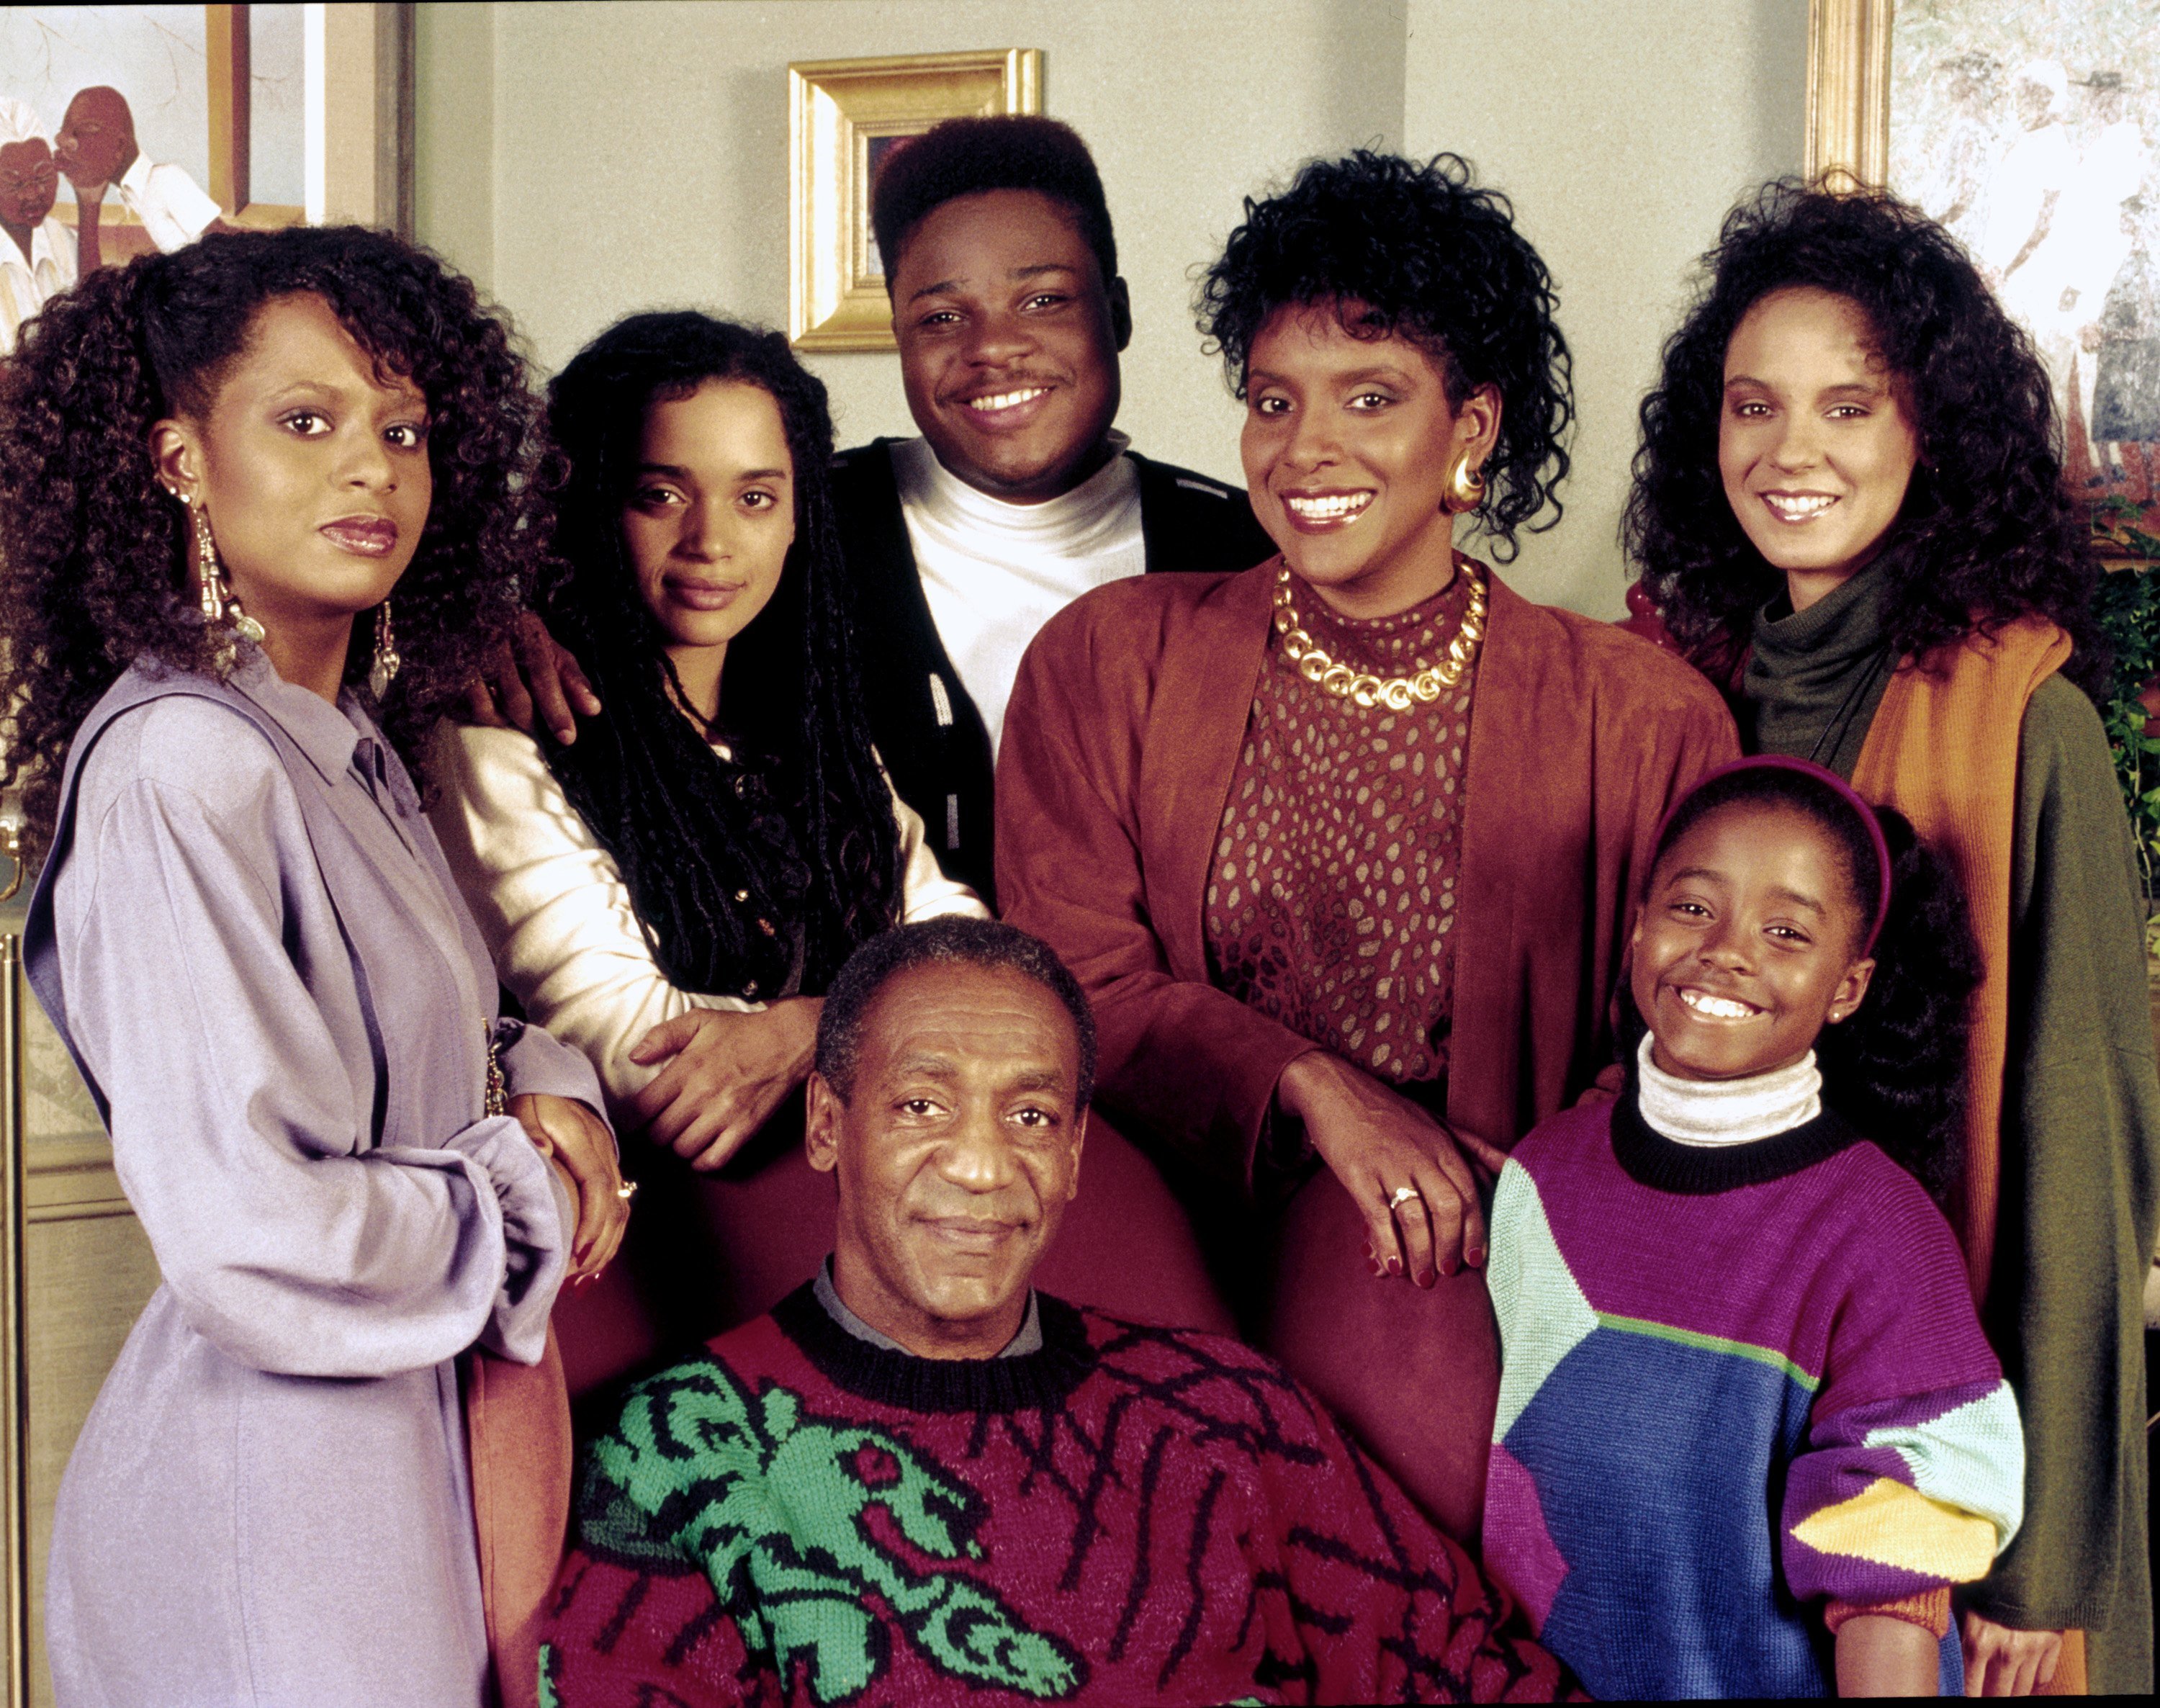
1942	750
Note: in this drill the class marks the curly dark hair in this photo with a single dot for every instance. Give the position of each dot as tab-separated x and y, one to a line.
93	555
1418	251
951	942
795	830
1988	533
968	156
1895	1067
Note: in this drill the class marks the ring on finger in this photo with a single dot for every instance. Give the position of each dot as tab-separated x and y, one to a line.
1401	1195
626	1191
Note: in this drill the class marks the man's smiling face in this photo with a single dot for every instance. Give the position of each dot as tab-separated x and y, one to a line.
957	1147
1009	339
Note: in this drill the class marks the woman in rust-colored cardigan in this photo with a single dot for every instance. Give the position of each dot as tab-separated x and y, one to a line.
1343	848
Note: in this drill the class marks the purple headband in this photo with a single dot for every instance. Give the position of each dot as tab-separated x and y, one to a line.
1838	786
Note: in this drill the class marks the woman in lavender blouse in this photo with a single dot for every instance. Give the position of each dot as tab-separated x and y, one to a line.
215	466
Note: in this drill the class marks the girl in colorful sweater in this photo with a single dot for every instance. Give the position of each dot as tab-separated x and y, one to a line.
1749	1431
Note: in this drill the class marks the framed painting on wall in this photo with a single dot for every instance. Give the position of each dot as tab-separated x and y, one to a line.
126	128
846	118
2028	131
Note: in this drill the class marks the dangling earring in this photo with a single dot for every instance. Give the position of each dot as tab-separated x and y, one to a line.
384	671
1466	487
220	602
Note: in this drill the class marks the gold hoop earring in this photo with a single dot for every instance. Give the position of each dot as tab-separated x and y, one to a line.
220	602
384	670
1466	487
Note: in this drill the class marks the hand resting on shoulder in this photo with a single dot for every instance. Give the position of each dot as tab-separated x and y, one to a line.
531	674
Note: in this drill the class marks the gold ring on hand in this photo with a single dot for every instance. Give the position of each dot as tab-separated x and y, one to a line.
626	1191
1401	1196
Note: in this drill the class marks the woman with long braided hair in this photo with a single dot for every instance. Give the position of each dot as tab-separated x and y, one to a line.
671	890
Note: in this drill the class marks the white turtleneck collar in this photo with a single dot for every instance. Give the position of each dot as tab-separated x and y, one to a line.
994	573
1073	523
1714	1111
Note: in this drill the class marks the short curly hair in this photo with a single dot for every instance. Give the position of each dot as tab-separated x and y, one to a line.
970	156
1991	533
1421	252
953	941
93	555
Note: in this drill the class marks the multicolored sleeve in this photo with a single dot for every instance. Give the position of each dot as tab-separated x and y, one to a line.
1913	1475
1896	1500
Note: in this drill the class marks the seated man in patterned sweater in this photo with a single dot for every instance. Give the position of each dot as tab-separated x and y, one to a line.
920	1480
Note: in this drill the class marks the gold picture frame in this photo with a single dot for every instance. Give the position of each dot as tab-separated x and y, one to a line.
1849	90
843	114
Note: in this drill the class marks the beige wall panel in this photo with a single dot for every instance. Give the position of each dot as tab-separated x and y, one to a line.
1623	130
351	186
453	136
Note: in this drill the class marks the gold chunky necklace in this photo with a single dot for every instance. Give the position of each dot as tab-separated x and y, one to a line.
1398	693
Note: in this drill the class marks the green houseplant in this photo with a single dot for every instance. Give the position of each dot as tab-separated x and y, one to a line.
2128	607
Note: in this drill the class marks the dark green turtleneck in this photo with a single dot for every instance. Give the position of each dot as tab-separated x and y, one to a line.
2081	1125
1814	677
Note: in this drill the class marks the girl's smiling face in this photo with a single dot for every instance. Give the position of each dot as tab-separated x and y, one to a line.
1748	944
1816	445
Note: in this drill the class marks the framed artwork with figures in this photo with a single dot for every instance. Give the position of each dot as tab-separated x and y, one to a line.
2030	132
126	128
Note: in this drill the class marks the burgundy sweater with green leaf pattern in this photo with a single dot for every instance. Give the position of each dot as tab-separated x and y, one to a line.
1130	1514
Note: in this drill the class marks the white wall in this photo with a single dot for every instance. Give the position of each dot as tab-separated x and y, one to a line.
583	161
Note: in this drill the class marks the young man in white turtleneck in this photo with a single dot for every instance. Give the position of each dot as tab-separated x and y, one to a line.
1019	496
